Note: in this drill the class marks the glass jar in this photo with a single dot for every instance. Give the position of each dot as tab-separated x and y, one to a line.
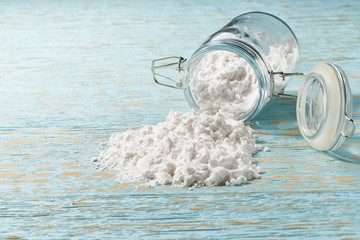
268	47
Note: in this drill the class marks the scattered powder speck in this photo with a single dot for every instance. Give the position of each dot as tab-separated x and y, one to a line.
188	149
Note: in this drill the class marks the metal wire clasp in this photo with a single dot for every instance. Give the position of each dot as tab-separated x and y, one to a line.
179	66
283	76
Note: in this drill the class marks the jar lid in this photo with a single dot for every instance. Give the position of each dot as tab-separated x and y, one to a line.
324	107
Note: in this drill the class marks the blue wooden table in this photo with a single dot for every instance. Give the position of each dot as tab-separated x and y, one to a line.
74	72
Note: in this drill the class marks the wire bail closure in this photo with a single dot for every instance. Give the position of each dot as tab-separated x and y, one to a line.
179	67
283	76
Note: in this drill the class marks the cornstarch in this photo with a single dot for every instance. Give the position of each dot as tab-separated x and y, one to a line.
225	83
188	149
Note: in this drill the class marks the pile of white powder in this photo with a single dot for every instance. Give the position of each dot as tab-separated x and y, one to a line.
188	149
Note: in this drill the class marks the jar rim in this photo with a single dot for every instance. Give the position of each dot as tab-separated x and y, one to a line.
250	55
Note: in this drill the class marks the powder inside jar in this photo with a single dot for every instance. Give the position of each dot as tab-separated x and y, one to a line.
225	83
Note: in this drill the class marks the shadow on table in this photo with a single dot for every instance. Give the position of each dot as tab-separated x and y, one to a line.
279	114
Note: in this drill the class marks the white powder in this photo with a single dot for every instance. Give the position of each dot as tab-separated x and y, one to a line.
226	83
188	149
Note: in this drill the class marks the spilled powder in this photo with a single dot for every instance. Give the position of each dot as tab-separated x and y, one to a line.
188	149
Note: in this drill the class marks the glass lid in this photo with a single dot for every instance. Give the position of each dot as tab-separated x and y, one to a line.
324	107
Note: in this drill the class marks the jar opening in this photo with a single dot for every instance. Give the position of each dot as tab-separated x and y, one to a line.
223	82
247	60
